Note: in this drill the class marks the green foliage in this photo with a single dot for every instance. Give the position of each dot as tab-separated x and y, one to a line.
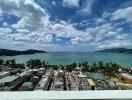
101	64
1	61
37	63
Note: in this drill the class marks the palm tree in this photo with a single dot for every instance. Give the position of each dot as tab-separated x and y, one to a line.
1	61
13	62
7	62
101	64
107	67
115	67
94	65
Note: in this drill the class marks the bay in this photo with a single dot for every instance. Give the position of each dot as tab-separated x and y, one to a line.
123	59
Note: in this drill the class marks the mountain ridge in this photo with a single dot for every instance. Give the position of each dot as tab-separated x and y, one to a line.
117	50
7	52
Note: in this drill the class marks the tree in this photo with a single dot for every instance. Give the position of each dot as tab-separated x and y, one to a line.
45	64
62	67
28	64
71	67
101	64
85	63
7	62
18	66
115	67
13	62
94	65
1	61
107	67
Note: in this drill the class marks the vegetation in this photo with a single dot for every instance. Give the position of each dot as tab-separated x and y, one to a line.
6	52
84	66
11	63
117	50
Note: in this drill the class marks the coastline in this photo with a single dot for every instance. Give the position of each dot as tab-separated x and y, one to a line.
58	58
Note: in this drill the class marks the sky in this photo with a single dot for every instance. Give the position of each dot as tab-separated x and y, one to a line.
65	25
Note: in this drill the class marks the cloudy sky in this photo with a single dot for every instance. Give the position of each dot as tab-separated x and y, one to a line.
65	25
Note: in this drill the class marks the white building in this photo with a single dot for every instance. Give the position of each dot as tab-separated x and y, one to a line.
4	74
127	75
8	80
43	83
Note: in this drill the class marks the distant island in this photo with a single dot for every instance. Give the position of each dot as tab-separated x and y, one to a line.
7	52
117	50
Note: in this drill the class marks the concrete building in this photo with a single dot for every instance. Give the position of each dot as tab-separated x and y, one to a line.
58	84
4	74
9	79
15	71
92	84
49	72
43	83
26	86
35	79
4	68
10	82
23	74
83	84
127	75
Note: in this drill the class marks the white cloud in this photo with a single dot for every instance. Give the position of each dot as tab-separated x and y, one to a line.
22	31
1	12
5	24
45	38
115	44
87	8
79	40
58	39
106	14
21	38
119	30
111	33
70	3
99	20
21	8
31	15
54	3
125	13
35	27
5	30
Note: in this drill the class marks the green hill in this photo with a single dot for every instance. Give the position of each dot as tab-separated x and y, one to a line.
117	50
6	52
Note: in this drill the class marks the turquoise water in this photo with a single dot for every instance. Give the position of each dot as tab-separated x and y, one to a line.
67	58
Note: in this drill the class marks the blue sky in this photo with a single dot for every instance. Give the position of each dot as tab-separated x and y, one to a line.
65	25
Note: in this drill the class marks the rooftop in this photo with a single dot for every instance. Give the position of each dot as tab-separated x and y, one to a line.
8	79
42	82
91	83
27	84
3	73
23	73
127	75
82	76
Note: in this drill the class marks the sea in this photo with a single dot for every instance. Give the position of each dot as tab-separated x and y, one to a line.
123	59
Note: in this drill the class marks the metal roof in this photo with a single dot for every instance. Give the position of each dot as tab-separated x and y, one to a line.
23	73
42	82
127	75
91	83
3	73
27	84
82	76
8	79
